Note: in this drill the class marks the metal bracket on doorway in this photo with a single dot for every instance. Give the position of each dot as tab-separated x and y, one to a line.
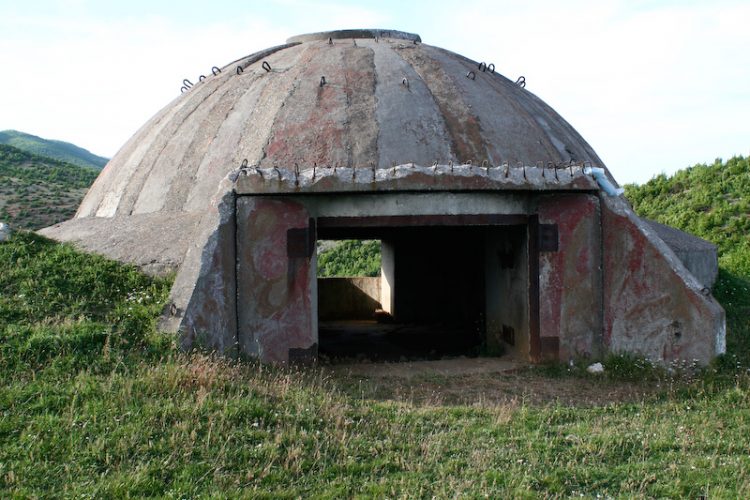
548	239
300	242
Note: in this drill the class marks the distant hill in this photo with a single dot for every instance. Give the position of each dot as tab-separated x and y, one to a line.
58	150
710	201
36	191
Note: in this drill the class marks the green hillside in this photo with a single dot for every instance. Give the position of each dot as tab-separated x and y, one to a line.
710	201
36	191
59	150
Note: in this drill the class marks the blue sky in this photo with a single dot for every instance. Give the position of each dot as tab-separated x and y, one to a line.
653	86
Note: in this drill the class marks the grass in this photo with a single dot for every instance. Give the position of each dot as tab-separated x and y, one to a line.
96	403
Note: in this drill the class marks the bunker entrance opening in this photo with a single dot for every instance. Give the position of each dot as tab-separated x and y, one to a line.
441	291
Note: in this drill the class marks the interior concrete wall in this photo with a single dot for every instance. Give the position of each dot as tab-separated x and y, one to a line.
507	290
342	298
387	276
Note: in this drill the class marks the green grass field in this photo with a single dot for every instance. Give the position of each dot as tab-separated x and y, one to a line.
95	403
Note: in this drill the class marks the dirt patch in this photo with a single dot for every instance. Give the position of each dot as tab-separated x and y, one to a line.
482	382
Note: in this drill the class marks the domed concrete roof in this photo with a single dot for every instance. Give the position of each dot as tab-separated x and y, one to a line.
352	98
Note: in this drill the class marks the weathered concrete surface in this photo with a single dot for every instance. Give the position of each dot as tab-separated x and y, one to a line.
652	304
411	177
360	142
570	278
156	242
701	257
354	297
275	290
203	298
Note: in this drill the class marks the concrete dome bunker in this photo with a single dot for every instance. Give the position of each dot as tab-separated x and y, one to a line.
371	132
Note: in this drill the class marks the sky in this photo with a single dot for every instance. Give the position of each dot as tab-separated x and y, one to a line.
653	86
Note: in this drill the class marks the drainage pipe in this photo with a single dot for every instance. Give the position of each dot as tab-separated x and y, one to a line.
601	179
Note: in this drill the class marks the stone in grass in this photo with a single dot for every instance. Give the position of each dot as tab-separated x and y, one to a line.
595	368
5	232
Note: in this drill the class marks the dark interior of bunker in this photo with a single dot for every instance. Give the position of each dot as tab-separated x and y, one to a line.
443	291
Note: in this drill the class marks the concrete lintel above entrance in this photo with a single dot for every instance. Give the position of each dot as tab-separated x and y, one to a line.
411	177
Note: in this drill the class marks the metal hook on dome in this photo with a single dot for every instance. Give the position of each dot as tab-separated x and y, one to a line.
450	163
201	78
507	169
240	70
259	172
330	41
296	174
354	174
278	172
215	70
183	89
482	67
434	165
471	75
523	165
354	40
266	66
244	163
491	68
405	81
521	81
315	167
187	83
374	173
486	166
322	80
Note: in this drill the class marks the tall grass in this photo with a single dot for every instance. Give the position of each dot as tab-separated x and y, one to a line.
94	403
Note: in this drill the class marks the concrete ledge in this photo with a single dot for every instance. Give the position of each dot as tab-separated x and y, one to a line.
411	177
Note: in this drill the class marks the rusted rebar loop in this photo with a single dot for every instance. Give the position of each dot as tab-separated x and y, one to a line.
471	75
491	68
201	78
482	67
266	66
240	70
215	70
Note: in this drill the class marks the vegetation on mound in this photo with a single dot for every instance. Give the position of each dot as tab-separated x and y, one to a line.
710	201
36	192
96	403
58	150
350	258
